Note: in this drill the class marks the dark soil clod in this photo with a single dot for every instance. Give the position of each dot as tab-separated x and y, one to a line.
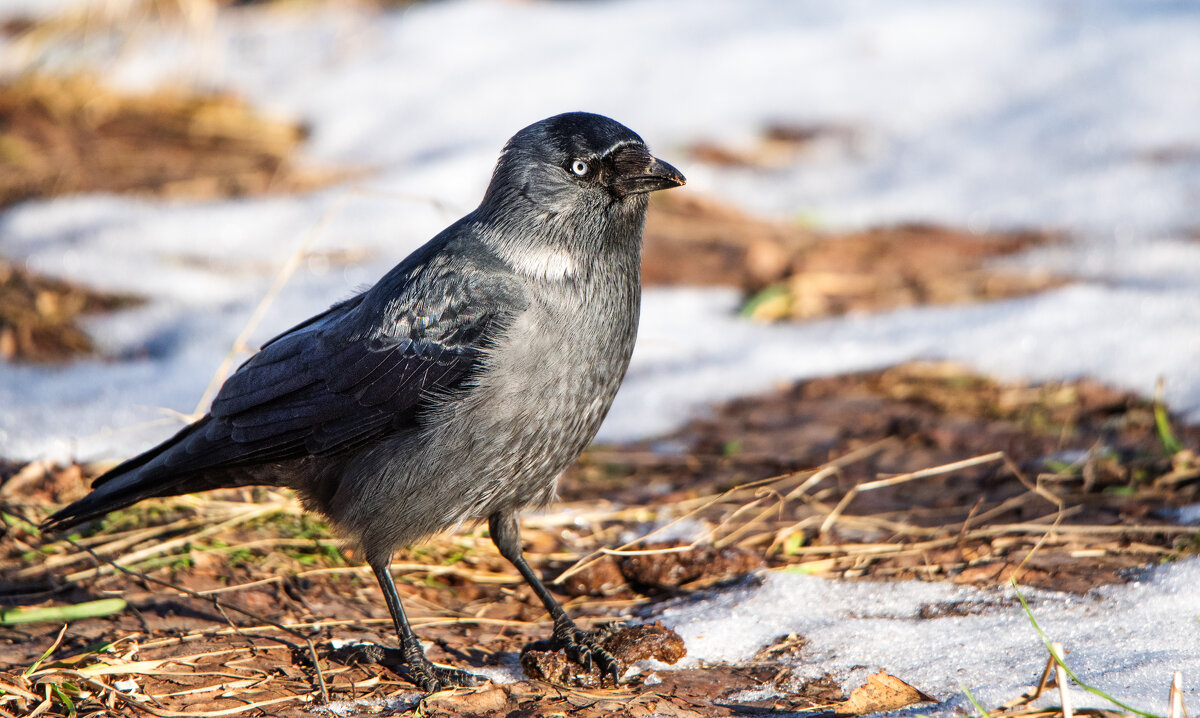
541	661
703	565
667	570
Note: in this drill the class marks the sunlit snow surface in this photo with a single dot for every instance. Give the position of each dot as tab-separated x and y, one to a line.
1124	640
1075	116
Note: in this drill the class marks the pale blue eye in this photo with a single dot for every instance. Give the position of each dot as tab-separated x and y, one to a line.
580	168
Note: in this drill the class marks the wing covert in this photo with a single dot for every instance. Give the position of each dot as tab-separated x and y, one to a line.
348	377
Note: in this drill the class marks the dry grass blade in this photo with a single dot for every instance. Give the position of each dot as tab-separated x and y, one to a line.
281	279
1175	697
256	706
316	664
8	688
904	478
120	542
246	514
1060	677
913	516
646	552
932	471
698	505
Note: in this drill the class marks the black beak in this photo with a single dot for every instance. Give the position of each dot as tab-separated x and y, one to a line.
654	175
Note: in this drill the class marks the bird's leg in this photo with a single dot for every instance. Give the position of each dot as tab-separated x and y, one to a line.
580	645
423	672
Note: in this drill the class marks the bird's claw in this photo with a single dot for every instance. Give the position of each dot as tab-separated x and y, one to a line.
364	652
434	678
420	670
581	647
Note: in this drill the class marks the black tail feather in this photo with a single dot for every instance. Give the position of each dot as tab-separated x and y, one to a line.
102	501
150	454
126	484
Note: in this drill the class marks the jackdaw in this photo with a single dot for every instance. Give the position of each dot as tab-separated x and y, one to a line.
454	390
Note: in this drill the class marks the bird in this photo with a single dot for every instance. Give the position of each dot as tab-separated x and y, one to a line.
453	391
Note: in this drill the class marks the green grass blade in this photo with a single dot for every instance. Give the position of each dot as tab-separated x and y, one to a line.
1162	422
61	614
66	701
45	654
982	711
1059	660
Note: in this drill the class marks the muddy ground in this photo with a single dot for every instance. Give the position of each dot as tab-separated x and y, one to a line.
1081	496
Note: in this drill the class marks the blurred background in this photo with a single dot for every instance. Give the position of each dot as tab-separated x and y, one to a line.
1010	184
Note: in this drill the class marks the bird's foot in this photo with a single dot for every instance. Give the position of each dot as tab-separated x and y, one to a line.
410	663
582	648
433	678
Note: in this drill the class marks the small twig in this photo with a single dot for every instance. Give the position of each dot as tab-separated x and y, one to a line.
1175	697
647	551
854	491
832	518
1034	693
699	504
1016	573
970	515
832	467
281	279
733	536
165	713
117	543
932	471
1060	677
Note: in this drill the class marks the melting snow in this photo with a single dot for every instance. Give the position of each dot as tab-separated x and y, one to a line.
1077	115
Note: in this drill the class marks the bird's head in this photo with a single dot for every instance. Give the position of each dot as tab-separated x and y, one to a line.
578	163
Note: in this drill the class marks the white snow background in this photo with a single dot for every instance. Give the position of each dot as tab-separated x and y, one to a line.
994	114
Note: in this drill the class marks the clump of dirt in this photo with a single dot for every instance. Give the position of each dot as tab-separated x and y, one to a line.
601	578
68	135
790	272
668	567
627	645
703	565
38	315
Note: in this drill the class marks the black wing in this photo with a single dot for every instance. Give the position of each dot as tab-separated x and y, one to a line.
363	369
360	371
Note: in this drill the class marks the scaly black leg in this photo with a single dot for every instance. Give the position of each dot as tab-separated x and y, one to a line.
423	672
580	645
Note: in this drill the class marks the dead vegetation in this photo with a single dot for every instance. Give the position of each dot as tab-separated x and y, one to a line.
69	135
38	315
787	272
790	272
1077	471
921	471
